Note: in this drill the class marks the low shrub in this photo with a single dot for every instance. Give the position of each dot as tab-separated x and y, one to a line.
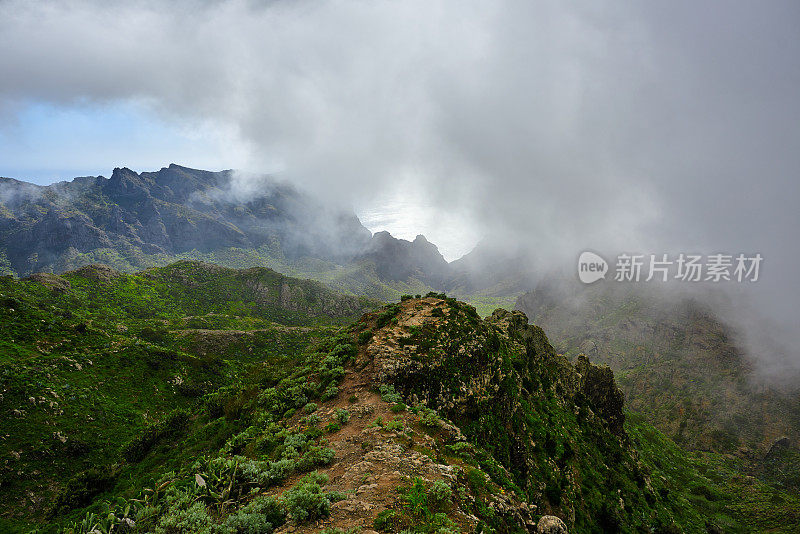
330	392
387	315
306	501
137	448
385	520
430	419
395	425
440	492
364	337
399	407
81	489
259	516
333	426
388	394
477	481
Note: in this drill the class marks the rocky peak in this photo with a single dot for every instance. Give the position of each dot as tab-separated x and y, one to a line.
123	175
501	384
173	210
126	187
399	259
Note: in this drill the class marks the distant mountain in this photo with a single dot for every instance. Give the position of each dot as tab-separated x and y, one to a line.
676	360
133	221
172	211
399	259
492	269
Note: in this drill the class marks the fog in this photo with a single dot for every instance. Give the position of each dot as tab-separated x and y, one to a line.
556	126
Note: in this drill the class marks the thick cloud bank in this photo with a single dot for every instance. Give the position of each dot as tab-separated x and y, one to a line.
670	127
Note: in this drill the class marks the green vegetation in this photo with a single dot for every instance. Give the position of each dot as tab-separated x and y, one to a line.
359	278
711	490
423	510
102	374
138	447
129	409
306	500
557	439
222	491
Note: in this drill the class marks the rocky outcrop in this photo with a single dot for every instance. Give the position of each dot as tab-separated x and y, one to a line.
550	524
597	384
777	447
99	273
52	281
504	387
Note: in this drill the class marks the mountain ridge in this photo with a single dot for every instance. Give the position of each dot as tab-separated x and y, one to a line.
133	221
138	220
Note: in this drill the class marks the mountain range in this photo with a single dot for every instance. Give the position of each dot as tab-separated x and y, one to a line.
138	220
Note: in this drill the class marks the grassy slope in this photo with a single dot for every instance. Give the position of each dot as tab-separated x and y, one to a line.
714	489
354	279
85	369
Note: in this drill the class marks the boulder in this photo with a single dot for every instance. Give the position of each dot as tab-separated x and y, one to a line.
550	524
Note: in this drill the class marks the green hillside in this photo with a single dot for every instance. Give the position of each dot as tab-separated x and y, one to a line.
92	357
194	398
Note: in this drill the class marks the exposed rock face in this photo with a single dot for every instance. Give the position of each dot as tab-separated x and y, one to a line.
501	384
51	280
599	387
550	524
480	371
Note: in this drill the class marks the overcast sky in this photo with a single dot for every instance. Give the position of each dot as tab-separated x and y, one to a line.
640	126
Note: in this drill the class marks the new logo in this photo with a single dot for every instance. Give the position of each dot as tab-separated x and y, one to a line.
591	267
